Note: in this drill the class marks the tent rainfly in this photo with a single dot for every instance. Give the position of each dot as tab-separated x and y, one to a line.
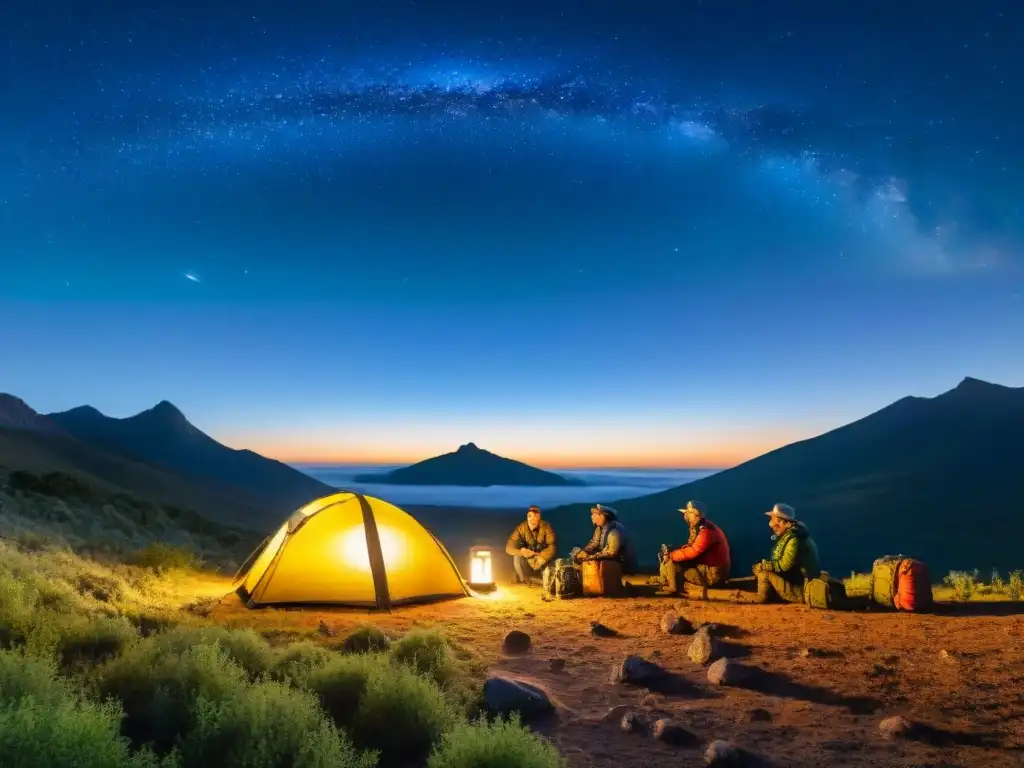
349	549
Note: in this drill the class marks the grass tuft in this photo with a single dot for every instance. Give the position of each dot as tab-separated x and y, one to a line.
494	744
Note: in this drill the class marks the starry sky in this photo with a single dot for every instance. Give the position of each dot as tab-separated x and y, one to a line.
578	233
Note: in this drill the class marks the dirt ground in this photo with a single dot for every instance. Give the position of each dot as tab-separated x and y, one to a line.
825	679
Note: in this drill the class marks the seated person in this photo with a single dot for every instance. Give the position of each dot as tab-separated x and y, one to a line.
610	540
532	547
704	560
793	560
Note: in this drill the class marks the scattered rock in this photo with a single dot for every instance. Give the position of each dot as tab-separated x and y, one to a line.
503	696
702	647
759	716
813	653
896	727
890	660
725	672
721	752
597	629
556	665
615	713
674	624
671	732
708	626
947	656
631	723
516	642
636	671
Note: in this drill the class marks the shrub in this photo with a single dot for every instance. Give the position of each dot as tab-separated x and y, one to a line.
430	653
401	714
60	485
161	556
158	689
268	724
296	662
1015	586
963	584
997	583
366	639
44	722
497	744
341	682
91	640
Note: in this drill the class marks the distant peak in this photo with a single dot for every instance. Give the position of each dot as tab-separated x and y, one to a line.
971	384
165	411
468	448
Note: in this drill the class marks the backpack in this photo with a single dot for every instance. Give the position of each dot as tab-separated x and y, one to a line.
902	583
913	586
825	593
563	579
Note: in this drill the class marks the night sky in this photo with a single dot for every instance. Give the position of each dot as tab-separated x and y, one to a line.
647	232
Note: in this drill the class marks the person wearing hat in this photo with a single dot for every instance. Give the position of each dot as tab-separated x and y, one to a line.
794	558
704	560
532	546
610	541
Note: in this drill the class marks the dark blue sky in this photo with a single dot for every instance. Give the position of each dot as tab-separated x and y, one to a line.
573	232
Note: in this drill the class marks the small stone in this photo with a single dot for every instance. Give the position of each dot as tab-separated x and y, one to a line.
635	671
708	626
516	642
947	656
812	653
702	647
615	713
672	733
556	665
503	696
725	672
597	629
896	727
673	624
721	752
630	722
759	715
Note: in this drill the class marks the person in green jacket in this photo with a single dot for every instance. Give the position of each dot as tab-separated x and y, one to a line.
794	558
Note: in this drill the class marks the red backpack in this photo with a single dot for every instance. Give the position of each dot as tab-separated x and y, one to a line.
913	586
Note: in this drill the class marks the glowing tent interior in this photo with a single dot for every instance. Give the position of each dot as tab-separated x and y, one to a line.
350	549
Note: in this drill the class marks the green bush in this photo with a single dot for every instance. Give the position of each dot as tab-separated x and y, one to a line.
161	556
1015	586
296	662
60	485
367	639
997	583
964	585
269	725
340	684
497	744
158	689
89	640
44	722
430	653
401	714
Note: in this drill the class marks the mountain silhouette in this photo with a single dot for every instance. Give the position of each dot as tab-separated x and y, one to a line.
163	436
938	478
469	465
15	413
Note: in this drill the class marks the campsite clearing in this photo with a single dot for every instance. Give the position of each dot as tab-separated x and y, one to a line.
824	682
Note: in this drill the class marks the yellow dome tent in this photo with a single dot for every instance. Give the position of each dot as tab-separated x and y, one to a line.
350	549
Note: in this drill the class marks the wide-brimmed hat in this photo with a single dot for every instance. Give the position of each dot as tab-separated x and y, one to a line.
783	512
608	512
694	506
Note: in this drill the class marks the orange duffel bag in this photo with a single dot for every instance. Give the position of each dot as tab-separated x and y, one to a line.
602	578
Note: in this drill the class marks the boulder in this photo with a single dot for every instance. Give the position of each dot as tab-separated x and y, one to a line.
702	647
896	727
721	753
674	624
516	642
631	723
597	629
556	665
673	733
636	671
503	696
725	672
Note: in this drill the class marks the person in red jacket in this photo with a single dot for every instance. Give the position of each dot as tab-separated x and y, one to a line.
704	560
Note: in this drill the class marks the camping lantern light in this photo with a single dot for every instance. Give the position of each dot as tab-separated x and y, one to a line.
481	575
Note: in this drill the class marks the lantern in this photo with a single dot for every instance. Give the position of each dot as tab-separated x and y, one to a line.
481	575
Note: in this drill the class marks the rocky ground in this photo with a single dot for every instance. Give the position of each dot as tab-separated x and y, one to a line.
796	687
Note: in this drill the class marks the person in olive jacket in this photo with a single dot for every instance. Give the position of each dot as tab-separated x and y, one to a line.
532	546
794	558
